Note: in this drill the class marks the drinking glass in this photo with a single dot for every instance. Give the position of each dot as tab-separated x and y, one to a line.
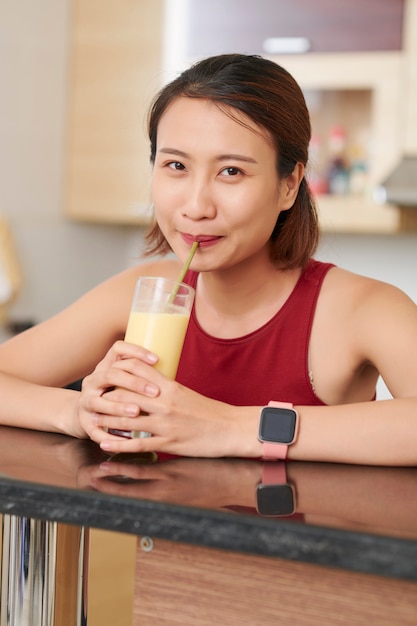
158	321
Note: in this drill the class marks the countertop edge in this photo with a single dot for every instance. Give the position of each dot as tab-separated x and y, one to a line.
355	551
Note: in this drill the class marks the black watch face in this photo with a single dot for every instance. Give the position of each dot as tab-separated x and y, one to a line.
277	425
275	500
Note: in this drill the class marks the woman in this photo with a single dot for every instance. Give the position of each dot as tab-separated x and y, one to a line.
229	147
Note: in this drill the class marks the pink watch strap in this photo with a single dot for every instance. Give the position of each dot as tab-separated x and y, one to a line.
273	451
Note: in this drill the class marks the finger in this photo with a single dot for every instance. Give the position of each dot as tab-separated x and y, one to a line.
99	435
141	423
95	433
111	423
117	445
134	383
125	350
106	380
95	407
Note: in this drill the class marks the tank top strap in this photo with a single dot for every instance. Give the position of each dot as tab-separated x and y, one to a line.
302	306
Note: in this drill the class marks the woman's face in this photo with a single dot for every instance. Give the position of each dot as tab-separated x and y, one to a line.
215	181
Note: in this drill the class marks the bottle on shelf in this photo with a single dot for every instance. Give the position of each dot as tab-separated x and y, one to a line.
338	167
358	182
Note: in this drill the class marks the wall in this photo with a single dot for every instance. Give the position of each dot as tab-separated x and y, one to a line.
62	259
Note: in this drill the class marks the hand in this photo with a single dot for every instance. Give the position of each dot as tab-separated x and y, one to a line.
181	421
115	388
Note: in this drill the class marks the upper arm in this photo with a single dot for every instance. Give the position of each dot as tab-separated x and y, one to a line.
387	332
66	347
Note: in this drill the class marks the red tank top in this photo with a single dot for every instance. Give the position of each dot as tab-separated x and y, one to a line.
270	363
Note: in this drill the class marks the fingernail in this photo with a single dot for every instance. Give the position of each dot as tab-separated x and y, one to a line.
151	390
151	358
105	445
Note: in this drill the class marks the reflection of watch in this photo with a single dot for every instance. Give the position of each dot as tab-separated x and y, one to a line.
278	429
274	495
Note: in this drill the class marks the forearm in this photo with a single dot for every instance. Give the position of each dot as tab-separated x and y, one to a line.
373	433
28	405
369	433
186	423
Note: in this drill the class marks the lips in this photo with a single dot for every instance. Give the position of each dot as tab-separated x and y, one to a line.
203	240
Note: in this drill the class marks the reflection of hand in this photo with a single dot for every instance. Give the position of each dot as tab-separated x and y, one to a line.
379	499
46	458
195	482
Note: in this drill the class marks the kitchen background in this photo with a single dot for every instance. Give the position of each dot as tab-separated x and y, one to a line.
68	236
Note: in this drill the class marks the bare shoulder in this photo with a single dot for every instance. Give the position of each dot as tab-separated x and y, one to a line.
355	291
373	315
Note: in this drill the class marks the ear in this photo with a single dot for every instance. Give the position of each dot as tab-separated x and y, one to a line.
290	186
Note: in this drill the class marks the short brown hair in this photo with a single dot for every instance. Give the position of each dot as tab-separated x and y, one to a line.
267	94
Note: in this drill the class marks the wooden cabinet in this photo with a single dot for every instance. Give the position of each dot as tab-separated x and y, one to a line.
123	50
200	586
374	80
115	69
327	25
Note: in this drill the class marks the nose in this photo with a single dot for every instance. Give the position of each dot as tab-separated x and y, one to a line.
199	203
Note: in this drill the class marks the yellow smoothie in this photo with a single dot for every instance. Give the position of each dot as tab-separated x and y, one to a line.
161	333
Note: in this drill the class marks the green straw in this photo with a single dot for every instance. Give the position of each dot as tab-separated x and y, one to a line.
183	272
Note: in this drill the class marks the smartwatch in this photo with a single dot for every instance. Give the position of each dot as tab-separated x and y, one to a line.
274	495
278	428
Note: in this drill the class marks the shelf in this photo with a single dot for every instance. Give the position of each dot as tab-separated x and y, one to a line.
344	214
125	214
337	214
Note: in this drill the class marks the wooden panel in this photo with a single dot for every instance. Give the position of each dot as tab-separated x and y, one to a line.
111	578
115	63
330	25
178	584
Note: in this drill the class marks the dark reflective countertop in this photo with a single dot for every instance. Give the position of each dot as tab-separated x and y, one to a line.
358	518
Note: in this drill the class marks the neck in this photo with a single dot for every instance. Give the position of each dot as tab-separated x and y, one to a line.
236	301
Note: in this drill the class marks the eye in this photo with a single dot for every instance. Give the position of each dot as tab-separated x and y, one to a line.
231	171
175	165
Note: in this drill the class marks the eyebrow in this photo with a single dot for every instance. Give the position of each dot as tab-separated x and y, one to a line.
222	157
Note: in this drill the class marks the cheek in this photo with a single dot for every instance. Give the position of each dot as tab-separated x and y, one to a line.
165	192
156	187
259	212
160	198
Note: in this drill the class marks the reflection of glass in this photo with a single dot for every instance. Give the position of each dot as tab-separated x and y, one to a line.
158	321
